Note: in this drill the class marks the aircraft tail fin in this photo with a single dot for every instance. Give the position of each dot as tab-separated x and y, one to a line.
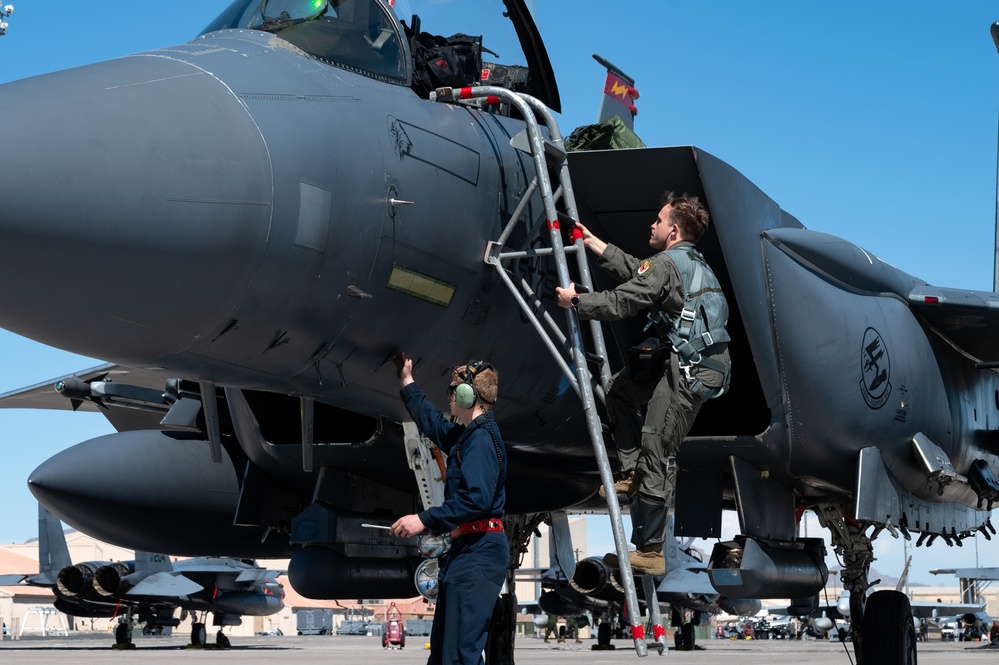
152	563
619	95
53	553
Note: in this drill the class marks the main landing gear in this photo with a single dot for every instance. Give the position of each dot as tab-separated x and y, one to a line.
882	626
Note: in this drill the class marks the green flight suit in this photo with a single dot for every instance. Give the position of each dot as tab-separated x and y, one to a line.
649	445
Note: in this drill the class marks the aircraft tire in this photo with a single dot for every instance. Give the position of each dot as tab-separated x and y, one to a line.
199	636
121	635
222	640
889	632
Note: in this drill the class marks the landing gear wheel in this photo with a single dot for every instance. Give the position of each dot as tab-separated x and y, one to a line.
199	636
122	634
222	640
889	631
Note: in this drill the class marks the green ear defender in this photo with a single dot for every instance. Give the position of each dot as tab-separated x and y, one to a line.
465	394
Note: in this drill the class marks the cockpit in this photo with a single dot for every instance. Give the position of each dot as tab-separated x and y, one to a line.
358	35
367	37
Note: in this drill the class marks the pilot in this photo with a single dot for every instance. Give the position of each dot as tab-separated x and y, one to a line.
673	391
474	568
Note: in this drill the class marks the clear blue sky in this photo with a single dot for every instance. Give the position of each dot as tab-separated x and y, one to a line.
872	121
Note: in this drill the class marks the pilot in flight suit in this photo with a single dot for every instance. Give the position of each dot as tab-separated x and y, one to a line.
647	449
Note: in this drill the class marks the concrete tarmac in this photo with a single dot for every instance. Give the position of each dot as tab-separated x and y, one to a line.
95	649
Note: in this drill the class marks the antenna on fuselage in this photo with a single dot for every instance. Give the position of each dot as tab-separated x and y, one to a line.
995	270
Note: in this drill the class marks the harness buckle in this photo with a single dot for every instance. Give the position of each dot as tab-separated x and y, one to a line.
707	339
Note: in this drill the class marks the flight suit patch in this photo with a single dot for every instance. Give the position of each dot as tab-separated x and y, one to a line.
645	267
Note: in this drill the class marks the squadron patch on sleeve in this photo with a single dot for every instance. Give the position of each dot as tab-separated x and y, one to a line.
645	267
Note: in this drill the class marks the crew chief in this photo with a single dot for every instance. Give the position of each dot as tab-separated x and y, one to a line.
474	568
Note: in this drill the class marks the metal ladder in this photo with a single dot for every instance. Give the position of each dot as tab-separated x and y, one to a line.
551	154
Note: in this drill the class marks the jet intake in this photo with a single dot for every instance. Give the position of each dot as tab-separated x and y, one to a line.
748	568
595	578
322	573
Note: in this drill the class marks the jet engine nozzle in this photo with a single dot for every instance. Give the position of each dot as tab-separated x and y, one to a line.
322	573
109	580
77	580
595	578
747	568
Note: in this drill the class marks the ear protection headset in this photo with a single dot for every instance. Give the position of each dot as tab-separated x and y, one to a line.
465	394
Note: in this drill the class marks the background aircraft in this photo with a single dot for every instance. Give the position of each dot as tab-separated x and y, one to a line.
289	318
149	589
686	587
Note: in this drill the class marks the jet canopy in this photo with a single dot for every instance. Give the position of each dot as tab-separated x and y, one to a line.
386	39
358	35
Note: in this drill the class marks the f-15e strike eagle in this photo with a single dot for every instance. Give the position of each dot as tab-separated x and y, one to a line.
149	589
251	224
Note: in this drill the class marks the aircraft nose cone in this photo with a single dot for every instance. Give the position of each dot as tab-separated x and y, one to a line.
134	196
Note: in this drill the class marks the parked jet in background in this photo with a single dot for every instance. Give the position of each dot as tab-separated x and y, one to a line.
149	589
686	587
270	212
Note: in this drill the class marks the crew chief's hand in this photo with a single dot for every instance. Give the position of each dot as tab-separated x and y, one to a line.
408	526
404	368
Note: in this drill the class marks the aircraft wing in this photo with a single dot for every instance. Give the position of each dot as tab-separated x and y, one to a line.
929	610
14	579
44	396
114	384
165	585
968	319
684	580
258	574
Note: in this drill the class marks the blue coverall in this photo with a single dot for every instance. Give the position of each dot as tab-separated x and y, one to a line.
473	570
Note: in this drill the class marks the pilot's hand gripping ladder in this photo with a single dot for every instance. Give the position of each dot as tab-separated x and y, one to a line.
580	380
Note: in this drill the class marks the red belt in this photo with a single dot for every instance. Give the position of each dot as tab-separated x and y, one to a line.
478	526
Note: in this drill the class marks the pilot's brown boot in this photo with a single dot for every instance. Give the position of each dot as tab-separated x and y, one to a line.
624	488
648	560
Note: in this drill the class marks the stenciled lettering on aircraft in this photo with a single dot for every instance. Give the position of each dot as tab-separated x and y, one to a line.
875	369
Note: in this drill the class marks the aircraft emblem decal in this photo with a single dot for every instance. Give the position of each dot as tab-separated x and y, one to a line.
875	369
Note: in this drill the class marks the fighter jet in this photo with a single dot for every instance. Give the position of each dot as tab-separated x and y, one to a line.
150	588
250	226
686	587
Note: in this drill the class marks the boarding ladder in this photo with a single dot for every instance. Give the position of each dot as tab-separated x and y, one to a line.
550	159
